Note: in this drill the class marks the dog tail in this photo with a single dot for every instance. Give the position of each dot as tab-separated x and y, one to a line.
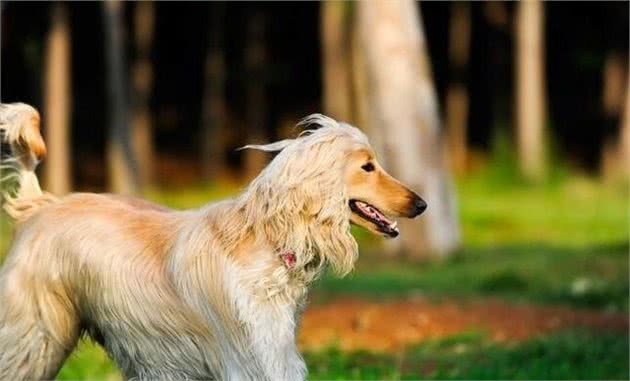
19	187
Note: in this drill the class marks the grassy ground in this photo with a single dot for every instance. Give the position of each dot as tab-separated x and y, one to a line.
566	242
585	276
567	355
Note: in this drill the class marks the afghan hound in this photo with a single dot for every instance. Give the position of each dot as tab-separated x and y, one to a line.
210	293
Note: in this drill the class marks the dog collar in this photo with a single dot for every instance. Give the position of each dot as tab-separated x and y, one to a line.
288	258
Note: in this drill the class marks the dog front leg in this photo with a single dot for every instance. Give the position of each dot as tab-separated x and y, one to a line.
273	344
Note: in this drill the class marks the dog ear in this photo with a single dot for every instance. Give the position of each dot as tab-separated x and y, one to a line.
271	147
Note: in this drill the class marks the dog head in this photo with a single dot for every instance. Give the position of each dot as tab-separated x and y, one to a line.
375	197
318	184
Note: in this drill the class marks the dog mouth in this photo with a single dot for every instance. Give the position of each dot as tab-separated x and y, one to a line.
371	213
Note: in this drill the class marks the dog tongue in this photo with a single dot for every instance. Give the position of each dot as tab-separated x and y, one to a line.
374	213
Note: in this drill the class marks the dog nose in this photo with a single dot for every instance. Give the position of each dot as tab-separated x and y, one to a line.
419	206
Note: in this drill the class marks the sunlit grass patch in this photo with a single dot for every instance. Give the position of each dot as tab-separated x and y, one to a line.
574	212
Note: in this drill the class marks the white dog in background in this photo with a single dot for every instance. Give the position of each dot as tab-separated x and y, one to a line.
212	293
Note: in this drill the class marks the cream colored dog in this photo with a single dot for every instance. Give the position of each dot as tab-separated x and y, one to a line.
212	293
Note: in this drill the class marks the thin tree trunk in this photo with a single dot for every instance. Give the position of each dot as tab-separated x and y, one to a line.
255	57
214	108
362	90
335	37
625	131
457	93
121	162
530	112
613	162
57	102
142	83
403	104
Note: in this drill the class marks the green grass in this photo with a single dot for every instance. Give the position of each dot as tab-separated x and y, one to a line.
574	212
588	276
575	354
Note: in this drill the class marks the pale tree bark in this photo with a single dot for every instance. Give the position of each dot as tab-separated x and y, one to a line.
57	102
335	37
362	89
403	104
614	84
457	93
614	161
122	166
255	57
142	76
214	112
625	131
530	84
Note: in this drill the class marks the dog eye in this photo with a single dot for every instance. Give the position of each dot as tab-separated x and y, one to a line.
369	167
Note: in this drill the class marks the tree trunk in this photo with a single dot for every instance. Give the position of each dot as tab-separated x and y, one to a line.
530	97
457	93
403	104
214	108
142	135
625	131
335	37
57	102
255	57
614	164
120	158
361	89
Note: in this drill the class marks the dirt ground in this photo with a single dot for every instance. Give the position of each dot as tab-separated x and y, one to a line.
355	324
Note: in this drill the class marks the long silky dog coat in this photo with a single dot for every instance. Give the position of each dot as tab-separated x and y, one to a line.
211	293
